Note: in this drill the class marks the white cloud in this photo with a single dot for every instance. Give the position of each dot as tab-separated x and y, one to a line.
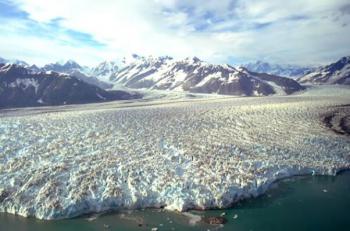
168	27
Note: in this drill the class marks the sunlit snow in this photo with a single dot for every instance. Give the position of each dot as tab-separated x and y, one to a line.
180	154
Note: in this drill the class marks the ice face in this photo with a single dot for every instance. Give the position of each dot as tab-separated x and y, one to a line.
203	154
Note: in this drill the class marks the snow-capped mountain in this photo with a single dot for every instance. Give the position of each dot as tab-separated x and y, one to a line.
34	68
73	68
20	87
194	75
19	62
70	67
67	67
335	73
165	73
14	61
105	70
291	71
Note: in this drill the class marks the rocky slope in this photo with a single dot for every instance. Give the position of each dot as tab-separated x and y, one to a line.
194	75
105	70
335	73
19	87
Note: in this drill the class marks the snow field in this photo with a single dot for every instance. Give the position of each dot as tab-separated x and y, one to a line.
203	154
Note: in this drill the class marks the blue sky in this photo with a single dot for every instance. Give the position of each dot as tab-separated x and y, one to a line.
88	31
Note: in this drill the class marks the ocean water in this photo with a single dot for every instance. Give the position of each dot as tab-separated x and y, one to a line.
300	203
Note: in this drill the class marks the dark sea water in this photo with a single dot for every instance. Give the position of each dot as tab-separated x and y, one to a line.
301	203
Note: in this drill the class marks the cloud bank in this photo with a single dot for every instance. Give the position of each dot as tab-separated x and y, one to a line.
89	31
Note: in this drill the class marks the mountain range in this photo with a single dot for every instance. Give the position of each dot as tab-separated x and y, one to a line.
165	73
195	75
81	72
286	70
21	82
20	87
334	73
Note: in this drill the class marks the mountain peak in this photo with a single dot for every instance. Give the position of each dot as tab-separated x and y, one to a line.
196	59
14	61
11	68
71	64
334	73
345	59
64	67
105	70
338	65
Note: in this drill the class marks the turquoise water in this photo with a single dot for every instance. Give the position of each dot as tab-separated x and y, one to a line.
301	203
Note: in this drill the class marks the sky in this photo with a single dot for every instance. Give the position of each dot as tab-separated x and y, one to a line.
303	32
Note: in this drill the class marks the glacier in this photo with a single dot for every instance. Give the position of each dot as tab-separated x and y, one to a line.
200	153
